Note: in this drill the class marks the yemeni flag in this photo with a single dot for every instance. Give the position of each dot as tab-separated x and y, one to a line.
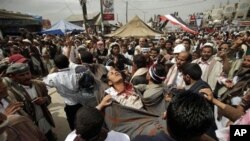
178	21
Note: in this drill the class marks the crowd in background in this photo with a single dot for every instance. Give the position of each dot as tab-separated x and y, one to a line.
200	83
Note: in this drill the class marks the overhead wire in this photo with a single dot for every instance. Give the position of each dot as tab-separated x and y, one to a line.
179	5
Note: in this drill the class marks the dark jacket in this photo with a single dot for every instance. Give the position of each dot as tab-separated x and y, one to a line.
21	95
197	86
159	137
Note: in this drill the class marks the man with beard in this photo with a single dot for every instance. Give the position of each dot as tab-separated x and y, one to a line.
142	44
238	84
192	77
237	88
187	43
101	53
34	96
211	68
174	75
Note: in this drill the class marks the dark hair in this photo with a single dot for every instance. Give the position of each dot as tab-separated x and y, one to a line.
140	61
227	43
87	82
189	57
189	115
193	70
87	57
155	49
61	61
169	41
112	48
188	40
197	52
248	33
89	122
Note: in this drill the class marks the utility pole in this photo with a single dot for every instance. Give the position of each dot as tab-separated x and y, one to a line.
84	12
126	11
117	18
102	25
144	12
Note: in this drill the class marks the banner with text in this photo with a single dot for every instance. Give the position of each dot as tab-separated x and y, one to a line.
108	10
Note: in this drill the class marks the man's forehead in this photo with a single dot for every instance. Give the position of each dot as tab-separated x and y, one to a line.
247	57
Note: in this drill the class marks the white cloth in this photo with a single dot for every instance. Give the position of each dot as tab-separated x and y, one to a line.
112	136
130	57
175	77
43	124
1	55
204	67
4	104
179	80
137	50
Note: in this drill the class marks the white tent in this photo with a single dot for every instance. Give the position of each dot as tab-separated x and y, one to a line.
62	27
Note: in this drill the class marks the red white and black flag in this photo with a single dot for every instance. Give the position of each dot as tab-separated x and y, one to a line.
178	21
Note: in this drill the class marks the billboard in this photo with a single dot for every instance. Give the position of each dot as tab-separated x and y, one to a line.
108	10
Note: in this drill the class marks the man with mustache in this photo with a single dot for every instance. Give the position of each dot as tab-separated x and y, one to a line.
34	96
211	68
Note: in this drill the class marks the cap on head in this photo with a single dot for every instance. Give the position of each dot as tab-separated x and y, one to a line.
178	41
17	58
17	68
208	44
35	41
26	41
112	45
179	48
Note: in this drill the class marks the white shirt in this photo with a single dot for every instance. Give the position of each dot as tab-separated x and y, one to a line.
112	136
179	80
66	83
43	124
137	50
204	67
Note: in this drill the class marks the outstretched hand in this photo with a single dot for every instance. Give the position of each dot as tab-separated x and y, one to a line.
107	100
208	94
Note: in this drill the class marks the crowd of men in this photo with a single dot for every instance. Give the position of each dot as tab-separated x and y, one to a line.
180	87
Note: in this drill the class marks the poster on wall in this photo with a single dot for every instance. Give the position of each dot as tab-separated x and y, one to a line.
108	10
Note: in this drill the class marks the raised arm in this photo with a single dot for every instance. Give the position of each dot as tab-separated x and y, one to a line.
228	111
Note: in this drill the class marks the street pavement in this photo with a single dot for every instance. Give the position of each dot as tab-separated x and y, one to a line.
57	110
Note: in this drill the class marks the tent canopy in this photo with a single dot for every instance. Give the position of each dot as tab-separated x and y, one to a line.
134	28
62	27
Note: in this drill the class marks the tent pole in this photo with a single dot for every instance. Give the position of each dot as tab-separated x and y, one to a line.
102	25
84	12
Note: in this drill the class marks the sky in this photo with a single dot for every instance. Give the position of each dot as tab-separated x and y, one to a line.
56	10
